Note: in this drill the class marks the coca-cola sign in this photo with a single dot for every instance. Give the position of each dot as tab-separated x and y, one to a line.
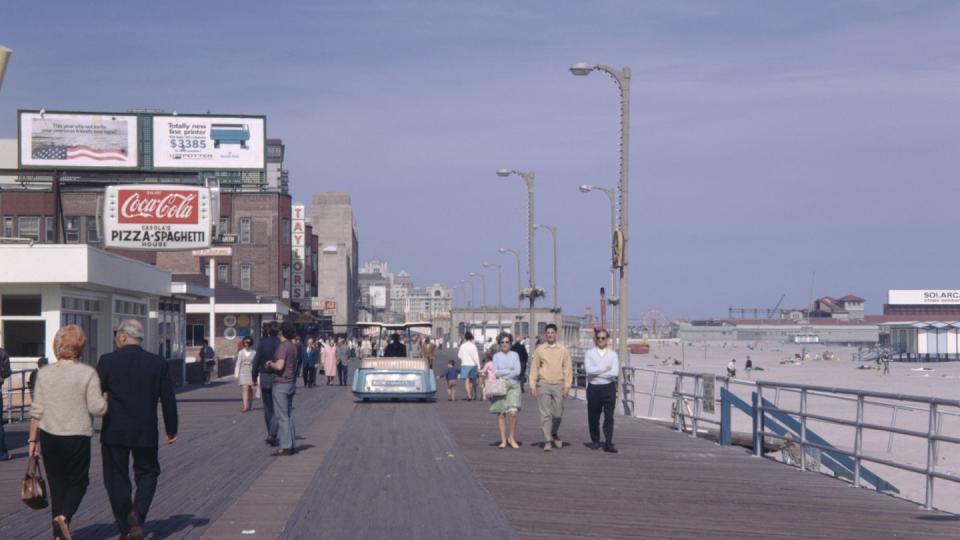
158	206
157	217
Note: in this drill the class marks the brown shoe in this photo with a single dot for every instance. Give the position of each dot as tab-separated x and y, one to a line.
63	528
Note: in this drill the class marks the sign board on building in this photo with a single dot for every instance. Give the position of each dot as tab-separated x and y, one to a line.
378	296
709	381
316	303
329	306
297	234
78	140
209	142
158	217
218	251
923	297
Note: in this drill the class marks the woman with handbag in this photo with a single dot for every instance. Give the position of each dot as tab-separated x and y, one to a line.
505	390
66	397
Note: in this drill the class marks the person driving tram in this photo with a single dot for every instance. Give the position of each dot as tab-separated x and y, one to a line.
395	348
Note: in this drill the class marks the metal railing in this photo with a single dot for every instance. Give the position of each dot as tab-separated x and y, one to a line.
687	415
11	390
932	435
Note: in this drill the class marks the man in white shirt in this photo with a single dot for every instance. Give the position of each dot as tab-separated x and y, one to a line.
603	367
469	361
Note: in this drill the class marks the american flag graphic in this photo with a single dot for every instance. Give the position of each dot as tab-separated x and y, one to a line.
64	153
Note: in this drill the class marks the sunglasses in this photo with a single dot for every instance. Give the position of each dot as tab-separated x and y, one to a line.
505	343
602	338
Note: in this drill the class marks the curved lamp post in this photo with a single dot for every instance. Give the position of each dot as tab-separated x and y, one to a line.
622	78
532	293
516	254
499	268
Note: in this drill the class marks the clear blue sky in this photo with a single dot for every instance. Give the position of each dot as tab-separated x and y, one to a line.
769	139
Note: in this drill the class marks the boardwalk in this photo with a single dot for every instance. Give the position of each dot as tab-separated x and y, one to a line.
394	470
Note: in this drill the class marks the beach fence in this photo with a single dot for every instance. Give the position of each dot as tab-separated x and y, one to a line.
894	443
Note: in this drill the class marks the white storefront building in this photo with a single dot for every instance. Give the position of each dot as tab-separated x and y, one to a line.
44	287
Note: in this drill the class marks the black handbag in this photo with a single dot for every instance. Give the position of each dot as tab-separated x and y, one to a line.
33	491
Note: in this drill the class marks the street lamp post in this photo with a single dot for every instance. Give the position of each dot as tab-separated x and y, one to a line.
483	300
556	287
516	254
622	78
612	197
528	178
499	268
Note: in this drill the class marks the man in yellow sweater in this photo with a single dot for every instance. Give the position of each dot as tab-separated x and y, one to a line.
551	374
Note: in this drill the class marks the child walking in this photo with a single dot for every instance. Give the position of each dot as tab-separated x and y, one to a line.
451	375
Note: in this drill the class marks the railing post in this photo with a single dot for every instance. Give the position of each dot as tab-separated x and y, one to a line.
858	442
803	429
758	421
697	387
653	394
726	428
931	456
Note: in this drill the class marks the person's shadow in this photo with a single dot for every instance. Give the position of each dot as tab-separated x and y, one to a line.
156	529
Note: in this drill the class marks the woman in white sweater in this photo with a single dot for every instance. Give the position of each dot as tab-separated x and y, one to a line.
66	397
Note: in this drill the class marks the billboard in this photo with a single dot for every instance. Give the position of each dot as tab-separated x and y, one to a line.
76	140
156	217
923	297
209	142
378	296
298	292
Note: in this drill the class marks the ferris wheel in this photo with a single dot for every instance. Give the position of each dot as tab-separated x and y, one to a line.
656	324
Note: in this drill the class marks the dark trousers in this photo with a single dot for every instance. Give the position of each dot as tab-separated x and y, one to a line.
601	398
116	478
66	459
342	374
268	417
309	376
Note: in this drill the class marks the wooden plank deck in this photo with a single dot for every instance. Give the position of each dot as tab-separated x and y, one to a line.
396	470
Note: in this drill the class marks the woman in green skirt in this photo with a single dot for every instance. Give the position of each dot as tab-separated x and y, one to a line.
506	365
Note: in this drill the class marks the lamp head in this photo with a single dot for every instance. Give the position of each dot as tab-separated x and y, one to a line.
486	265
502	250
504	173
582	68
537	226
586	188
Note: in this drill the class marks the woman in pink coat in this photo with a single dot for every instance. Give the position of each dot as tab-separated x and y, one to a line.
329	358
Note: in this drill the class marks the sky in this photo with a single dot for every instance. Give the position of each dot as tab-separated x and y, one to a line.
776	147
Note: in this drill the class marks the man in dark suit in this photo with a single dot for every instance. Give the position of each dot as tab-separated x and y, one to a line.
264	377
134	381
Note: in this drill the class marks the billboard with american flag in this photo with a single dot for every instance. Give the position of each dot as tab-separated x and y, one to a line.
72	140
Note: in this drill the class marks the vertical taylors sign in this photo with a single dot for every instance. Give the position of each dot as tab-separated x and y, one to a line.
208	142
69	140
157	217
298	234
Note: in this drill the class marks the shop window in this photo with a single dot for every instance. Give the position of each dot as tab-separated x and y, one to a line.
20	305
246	277
246	230
48	230
8	227
224	225
93	233
195	335
29	227
24	338
71	229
